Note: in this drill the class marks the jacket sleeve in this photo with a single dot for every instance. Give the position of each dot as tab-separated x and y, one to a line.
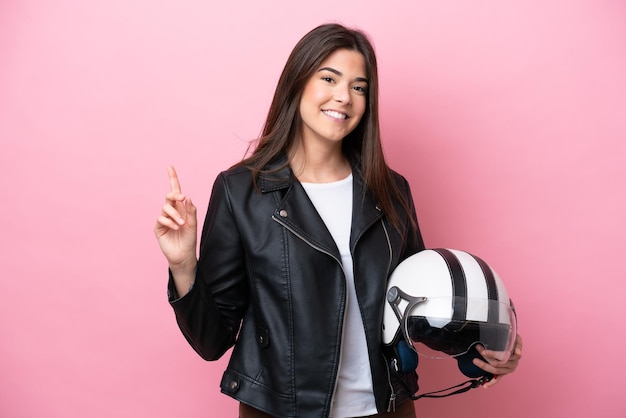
209	316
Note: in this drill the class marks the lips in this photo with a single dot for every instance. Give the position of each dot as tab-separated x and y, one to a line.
334	114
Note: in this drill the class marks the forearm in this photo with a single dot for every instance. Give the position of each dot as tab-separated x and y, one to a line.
184	277
209	331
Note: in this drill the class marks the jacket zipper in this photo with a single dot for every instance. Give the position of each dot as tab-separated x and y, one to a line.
343	324
391	407
389	246
316	247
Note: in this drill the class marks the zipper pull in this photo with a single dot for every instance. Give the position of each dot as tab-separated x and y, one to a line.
392	403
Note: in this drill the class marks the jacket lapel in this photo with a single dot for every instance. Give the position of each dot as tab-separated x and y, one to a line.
296	211
365	212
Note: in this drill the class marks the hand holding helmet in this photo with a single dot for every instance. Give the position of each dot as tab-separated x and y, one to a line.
497	368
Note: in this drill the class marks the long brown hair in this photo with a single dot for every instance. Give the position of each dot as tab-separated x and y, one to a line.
362	146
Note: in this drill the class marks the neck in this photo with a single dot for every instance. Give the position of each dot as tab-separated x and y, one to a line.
319	165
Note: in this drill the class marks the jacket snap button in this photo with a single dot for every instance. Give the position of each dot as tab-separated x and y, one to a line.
234	384
283	213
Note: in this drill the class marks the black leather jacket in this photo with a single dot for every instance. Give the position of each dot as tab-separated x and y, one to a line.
268	263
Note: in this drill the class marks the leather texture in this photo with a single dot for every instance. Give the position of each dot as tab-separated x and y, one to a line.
270	279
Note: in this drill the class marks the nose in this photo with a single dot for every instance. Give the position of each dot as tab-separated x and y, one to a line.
342	94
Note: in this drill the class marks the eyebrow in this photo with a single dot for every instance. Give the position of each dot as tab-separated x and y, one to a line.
340	74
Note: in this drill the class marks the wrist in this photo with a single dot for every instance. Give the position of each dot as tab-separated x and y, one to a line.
186	266
184	277
184	271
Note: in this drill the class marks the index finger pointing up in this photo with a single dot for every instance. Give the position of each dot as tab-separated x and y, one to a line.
174	184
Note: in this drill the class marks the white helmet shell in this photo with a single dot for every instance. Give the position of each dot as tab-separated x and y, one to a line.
456	286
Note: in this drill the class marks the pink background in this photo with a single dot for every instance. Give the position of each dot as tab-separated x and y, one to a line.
508	118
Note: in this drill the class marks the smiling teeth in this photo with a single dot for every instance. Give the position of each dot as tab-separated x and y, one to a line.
334	114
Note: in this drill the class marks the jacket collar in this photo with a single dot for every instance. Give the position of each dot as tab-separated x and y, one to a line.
276	175
279	176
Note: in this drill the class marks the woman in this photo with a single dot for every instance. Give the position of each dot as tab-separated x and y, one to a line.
298	243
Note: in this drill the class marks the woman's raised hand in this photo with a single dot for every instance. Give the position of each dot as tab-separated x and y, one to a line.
176	231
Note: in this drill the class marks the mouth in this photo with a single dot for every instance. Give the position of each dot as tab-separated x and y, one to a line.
335	115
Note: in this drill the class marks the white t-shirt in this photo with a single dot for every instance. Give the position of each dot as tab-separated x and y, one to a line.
354	394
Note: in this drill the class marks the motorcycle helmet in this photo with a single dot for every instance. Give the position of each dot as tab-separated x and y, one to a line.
443	302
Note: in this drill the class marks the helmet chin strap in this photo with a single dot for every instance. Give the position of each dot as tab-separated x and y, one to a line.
460	388
466	366
452	390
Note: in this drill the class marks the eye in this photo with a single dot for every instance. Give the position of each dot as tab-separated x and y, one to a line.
360	89
328	79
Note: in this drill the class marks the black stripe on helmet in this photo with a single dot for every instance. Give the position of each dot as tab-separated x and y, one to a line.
493	313
459	283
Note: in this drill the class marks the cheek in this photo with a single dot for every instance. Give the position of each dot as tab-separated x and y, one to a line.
359	106
315	95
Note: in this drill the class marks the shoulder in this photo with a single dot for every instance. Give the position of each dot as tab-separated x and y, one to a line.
261	178
239	182
400	181
236	173
232	181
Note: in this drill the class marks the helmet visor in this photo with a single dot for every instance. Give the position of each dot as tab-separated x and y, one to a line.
451	326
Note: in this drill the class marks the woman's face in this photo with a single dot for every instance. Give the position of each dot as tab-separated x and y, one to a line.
334	99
